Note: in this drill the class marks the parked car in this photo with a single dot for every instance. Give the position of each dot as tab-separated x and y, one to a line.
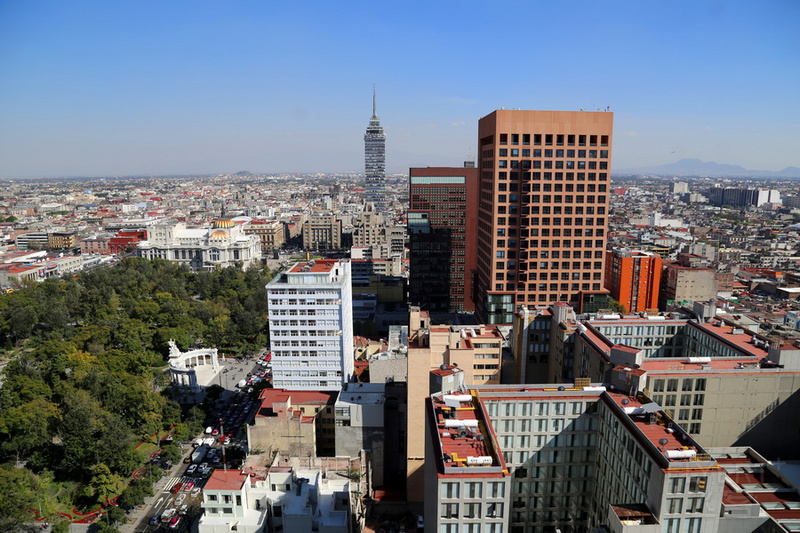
154	520
175	488
189	486
175	523
420	522
191	470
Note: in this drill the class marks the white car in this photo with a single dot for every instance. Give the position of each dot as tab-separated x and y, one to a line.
191	470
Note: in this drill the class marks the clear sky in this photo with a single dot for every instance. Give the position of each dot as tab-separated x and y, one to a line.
100	88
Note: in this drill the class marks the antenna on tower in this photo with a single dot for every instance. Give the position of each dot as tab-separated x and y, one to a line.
374	107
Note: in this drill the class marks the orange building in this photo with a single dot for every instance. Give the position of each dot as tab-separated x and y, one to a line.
543	209
633	277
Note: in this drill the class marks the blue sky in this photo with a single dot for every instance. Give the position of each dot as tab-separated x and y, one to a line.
102	88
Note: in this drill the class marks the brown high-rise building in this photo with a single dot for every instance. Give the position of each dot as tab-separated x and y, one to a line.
442	225
543	210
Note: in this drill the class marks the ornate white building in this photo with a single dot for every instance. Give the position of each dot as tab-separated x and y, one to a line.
222	245
184	367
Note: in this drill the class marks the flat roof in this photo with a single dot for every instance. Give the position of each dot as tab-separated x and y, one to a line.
464	437
226	480
316	266
724	332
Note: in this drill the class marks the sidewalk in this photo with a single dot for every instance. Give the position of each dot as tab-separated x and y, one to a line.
138	517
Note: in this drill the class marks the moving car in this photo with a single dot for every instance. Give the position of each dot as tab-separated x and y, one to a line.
175	488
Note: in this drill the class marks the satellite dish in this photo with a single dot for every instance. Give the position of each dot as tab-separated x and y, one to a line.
561	388
662	441
625	401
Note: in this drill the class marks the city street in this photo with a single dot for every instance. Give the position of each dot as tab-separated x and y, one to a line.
236	410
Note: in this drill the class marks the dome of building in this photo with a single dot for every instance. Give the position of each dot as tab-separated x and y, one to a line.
223	224
219	235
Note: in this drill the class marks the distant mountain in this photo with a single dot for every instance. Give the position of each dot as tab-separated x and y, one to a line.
697	167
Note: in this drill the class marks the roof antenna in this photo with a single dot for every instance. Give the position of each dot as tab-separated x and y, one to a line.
374	107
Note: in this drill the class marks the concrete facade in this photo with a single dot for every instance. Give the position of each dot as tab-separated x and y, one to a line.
310	309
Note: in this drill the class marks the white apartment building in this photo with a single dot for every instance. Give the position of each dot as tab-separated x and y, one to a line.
294	494
310	309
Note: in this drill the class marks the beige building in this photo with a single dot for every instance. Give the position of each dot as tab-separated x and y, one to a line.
61	240
374	239
271	234
681	284
294	423
474	350
726	386
322	231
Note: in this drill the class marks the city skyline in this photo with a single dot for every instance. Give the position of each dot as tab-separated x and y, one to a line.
203	88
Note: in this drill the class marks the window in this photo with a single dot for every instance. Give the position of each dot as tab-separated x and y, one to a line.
698	399
473	490
697	484
450	490
671	525
472	510
672	385
677	485
449	510
496	489
674	505
695	505
658	385
700	384
692	525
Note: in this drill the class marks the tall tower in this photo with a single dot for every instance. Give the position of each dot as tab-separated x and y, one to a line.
543	210
375	160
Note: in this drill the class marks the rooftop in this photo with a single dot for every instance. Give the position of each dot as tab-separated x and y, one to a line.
465	440
226	480
657	429
317	266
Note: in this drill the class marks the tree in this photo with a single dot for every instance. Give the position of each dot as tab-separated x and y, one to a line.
616	306
17	498
27	426
171	453
116	515
103	482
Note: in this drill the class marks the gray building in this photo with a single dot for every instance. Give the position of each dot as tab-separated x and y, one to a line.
375	160
359	424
